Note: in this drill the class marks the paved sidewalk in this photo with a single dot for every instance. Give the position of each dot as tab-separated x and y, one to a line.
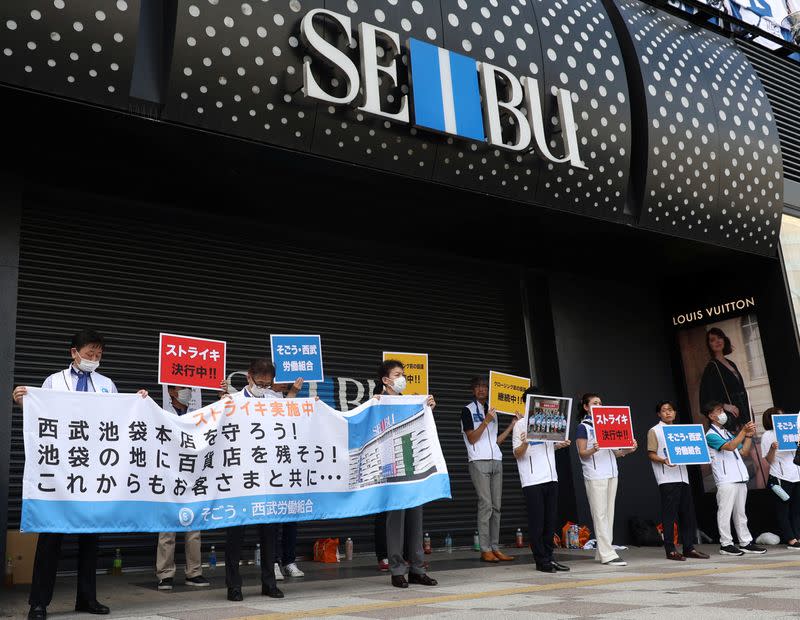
649	586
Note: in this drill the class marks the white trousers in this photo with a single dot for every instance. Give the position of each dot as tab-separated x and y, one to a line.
731	498
602	494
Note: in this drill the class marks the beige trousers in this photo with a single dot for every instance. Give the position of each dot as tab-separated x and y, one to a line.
165	557
602	494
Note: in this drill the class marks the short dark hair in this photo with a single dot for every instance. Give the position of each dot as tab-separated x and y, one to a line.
710	406
766	418
478	380
716	331
261	366
387	366
88	336
661	403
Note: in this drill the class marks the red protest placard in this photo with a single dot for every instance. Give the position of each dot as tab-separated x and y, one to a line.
613	427
191	362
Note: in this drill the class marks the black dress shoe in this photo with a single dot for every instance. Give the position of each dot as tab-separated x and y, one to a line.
271	591
546	568
92	607
423	580
235	594
37	612
560	567
399	581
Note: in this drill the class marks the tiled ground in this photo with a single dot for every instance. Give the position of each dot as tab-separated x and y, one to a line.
649	587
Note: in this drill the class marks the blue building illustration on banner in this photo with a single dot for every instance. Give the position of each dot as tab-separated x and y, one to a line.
297	357
686	444
445	91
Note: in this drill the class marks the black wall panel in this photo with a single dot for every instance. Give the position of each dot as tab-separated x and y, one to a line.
713	165
142	279
75	48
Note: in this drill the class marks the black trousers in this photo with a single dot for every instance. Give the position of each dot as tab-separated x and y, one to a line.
788	512
45	564
234	537
677	505
380	536
541	501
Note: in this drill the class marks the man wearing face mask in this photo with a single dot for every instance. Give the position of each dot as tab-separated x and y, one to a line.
731	477
179	403
260	377
86	350
403	526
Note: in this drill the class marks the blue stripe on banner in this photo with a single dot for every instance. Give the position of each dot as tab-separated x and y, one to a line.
92	517
466	96
367	425
426	85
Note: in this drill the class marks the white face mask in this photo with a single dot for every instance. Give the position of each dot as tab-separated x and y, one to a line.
722	418
184	396
87	365
256	391
399	384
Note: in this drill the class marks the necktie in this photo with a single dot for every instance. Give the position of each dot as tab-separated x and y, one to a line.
83	381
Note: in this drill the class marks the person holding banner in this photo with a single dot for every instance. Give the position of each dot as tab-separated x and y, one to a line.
81	375
403	527
180	403
260	377
600	478
786	475
536	463
479	429
674	488
731	477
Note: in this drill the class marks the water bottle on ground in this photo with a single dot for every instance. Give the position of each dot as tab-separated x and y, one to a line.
426	543
448	543
116	567
257	557
519	542
476	542
348	549
212	558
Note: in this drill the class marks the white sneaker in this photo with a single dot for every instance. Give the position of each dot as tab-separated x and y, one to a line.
278	573
293	571
616	562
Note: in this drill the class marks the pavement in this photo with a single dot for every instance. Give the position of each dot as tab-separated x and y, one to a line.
650	586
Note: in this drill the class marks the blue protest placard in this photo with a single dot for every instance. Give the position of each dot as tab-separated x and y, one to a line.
786	431
295	357
686	444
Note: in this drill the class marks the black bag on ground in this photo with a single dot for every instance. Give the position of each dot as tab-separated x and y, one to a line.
645	533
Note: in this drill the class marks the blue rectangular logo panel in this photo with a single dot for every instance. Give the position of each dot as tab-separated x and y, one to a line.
686	444
786	433
445	91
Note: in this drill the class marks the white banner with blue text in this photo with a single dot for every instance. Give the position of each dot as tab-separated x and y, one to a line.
99	462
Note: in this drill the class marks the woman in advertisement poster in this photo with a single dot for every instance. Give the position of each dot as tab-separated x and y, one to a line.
722	381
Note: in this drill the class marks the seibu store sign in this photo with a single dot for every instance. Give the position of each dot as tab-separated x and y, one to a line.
451	93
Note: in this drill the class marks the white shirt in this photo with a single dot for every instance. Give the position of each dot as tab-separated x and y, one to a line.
486	448
783	466
664	473
537	465
603	464
727	466
67	381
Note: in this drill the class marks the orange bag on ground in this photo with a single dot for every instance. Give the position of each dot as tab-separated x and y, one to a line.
325	550
584	534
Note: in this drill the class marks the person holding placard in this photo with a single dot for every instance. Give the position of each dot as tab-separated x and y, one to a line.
260	378
479	429
536	463
86	350
180	401
784	474
731	477
600	478
403	527
674	488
